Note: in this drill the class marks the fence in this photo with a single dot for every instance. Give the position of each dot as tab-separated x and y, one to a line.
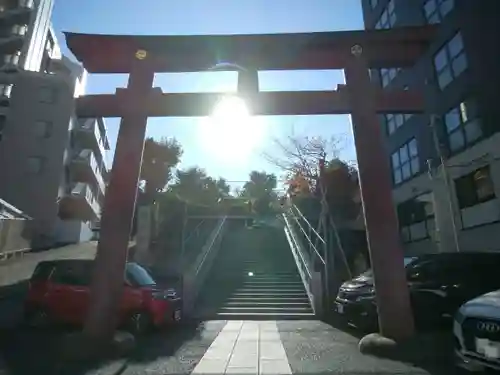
15	232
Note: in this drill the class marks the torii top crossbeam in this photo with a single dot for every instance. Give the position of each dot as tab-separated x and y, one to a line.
300	51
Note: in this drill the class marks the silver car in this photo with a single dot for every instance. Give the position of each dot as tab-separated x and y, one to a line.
477	333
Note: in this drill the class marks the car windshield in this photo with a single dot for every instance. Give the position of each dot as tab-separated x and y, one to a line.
369	273
138	276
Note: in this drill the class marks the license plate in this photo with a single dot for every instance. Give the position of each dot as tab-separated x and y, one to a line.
340	308
177	315
490	349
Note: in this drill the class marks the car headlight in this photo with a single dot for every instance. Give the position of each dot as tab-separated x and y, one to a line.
367	294
165	294
171	293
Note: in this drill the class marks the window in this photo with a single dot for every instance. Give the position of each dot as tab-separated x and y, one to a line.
12	59
74	274
6	90
405	162
47	95
450	61
35	164
474	188
436	10
26	3
373	3
43	129
416	218
387	18
19	30
463	128
394	121
3	121
387	75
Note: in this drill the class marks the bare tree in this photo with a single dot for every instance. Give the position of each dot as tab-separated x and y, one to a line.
299	155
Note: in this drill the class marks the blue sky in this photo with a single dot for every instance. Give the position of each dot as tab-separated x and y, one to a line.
201	143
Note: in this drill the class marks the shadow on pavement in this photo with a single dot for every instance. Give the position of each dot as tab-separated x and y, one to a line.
24	351
431	349
166	343
11	303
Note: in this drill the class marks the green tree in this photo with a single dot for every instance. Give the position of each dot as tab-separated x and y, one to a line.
341	188
260	189
195	186
158	159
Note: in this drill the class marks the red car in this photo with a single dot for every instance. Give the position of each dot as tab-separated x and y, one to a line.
59	293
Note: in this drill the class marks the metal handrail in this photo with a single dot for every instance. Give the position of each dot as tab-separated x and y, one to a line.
308	223
297	246
214	237
309	240
193	231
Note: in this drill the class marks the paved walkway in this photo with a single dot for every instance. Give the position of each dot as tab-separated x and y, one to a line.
298	347
245	348
220	347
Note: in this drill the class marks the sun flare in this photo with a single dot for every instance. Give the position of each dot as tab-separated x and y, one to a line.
230	132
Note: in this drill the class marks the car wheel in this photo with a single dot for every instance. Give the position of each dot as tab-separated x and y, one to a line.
38	318
140	323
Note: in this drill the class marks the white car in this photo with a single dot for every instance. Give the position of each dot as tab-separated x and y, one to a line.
477	333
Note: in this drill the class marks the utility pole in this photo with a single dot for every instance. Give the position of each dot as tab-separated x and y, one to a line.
446	178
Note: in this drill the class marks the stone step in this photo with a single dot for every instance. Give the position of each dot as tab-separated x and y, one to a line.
270	290
281	284
303	299
260	316
268	294
254	303
257	309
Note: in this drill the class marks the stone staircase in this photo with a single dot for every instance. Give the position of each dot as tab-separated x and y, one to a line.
254	277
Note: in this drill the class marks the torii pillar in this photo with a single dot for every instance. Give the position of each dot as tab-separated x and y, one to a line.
119	203
376	195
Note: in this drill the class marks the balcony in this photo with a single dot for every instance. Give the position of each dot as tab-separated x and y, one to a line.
88	135
12	38
5	92
17	14
84	168
79	203
10	65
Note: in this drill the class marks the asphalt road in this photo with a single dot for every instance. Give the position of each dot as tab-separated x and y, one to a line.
173	351
314	347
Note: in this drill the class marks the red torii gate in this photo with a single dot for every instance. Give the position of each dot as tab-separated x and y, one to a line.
354	51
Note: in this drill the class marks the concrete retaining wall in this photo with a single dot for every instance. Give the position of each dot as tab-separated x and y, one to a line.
15	237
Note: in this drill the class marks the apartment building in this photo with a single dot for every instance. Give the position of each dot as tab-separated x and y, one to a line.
52	163
25	40
455	204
